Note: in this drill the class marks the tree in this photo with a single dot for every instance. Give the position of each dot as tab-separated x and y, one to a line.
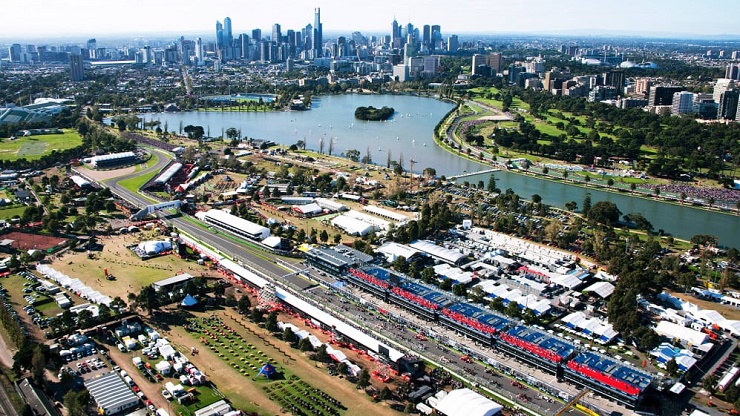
459	290
536	198
38	365
337	238
385	394
364	379
342	368
324	236
672	367
639	221
271	321
400	264
586	204
231	133
353	155
305	345
710	383
604	212
428	275
256	315
289	336
571	206
513	310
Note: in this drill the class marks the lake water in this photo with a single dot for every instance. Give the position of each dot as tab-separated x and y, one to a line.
409	133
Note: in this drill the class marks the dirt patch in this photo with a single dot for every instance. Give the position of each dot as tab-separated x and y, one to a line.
102	175
26	241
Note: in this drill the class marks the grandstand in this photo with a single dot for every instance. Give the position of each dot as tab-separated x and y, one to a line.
18	115
79	181
473	321
535	347
234	224
167	174
111	160
608	377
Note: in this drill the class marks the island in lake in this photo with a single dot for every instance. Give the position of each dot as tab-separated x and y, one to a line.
374	114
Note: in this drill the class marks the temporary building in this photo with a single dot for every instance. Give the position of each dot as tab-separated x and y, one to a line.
189	301
466	402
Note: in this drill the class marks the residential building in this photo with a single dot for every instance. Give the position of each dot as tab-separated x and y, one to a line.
76	69
683	103
722	85
662	95
495	62
728	103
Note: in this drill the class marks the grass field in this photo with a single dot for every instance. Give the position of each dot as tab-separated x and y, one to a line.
34	147
12	211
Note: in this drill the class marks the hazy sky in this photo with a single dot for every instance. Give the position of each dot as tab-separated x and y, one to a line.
98	18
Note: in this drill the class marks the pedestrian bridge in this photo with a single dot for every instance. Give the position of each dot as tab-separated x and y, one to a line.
466	174
156	207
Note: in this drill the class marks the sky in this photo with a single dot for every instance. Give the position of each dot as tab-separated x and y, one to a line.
25	19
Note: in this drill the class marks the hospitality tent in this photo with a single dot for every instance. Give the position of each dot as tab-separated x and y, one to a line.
603	289
466	402
189	301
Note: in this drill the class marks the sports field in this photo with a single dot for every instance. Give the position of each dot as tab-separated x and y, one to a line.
34	147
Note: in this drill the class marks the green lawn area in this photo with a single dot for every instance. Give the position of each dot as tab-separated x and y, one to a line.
12	211
133	184
34	147
204	396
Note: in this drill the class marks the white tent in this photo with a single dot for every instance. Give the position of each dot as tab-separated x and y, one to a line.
466	402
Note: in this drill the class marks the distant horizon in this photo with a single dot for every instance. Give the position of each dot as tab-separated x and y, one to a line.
328	34
676	19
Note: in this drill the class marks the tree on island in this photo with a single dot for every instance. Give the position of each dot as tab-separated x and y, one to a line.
374	114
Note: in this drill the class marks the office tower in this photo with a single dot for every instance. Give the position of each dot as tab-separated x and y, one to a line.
395	35
257	35
614	79
244	46
722	85
494	61
683	103
76	69
426	39
436	36
318	37
478	62
228	39
401	72
92	48
733	72
290	37
276	33
14	52
662	95
265	51
199	51
289	64
452	44
728	103
220	40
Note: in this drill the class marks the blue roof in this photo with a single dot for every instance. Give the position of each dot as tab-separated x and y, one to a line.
381	274
484	316
608	366
426	293
189	301
557	346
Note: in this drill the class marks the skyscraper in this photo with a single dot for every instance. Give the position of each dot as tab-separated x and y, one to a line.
257	35
199	51
452	44
722	85
494	61
76	69
733	72
436	37
276	33
395	35
228	39
728	104
683	103
92	48
318	34
426	38
220	49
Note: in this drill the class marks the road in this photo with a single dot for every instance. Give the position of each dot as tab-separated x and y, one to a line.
398	331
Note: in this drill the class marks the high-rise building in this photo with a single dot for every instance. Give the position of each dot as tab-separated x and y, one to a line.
426	39
642	85
479	60
452	44
244	46
277	35
728	103
683	103
733	72
494	61
76	69
614	79
395	35
318	34
436	37
228	39
199	51
257	35
722	85
14	52
662	95
92	48
220	47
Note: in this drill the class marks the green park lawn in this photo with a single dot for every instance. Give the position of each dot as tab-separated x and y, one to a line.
11	211
34	147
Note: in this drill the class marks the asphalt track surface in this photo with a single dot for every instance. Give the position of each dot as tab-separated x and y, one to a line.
399	333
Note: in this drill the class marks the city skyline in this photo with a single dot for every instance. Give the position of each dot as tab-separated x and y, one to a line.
67	18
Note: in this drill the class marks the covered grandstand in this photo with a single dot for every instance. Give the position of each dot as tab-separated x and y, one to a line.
473	321
167	174
79	181
535	347
112	160
607	376
234	224
440	253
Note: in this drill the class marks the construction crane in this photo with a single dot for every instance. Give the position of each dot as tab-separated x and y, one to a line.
573	402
